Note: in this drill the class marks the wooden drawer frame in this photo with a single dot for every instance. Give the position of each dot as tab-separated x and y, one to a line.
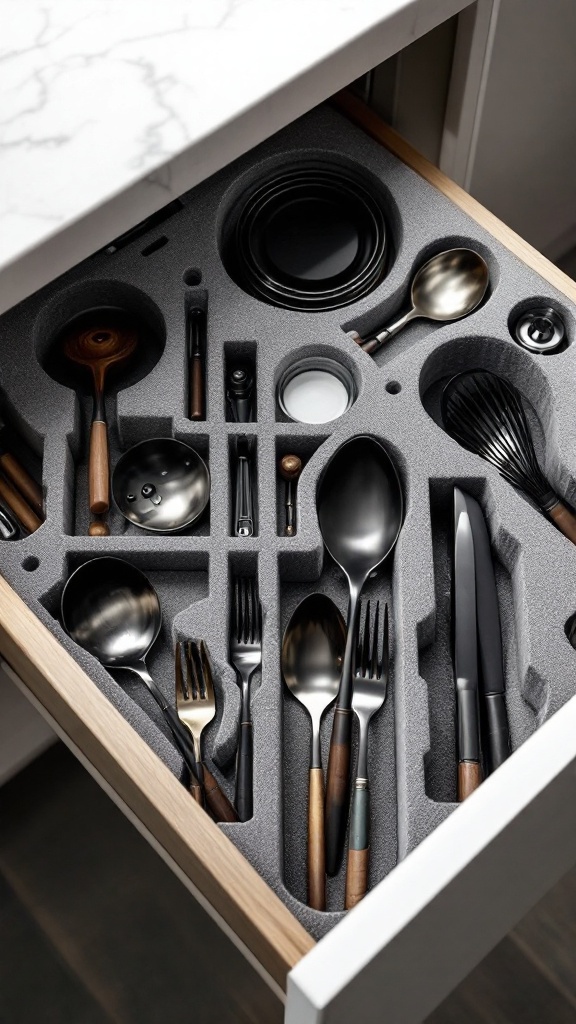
323	985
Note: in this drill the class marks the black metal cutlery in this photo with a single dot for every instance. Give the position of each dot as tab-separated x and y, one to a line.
360	511
246	657
196	354
483	729
244	515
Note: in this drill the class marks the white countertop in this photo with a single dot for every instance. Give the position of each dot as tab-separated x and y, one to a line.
111	108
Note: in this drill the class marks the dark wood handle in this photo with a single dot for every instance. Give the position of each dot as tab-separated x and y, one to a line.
24	482
356	876
469	778
98	528
196	402
316	855
216	799
337	789
21	509
99	468
565	520
243	795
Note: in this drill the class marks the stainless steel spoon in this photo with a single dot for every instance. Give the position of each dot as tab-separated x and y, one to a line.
360	509
312	653
111	609
448	287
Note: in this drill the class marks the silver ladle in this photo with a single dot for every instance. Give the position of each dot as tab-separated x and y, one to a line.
112	610
312	653
448	287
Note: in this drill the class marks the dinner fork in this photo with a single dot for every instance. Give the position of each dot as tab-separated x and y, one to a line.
246	657
370	684
196	706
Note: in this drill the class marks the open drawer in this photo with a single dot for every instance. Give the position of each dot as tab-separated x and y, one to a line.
462	879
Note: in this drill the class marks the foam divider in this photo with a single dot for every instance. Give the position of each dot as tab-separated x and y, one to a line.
412	755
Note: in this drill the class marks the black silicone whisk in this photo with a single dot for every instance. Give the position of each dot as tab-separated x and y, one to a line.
484	413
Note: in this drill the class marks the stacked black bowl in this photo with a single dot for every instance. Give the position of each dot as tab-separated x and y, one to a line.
310	238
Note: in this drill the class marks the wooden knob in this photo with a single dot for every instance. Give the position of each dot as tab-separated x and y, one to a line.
99	528
290	467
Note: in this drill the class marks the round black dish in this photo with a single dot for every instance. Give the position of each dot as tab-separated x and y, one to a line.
311	238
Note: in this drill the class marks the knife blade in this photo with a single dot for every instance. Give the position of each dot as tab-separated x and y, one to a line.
465	650
492	683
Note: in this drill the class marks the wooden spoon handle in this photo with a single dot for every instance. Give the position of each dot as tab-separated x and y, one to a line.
565	520
316	854
358	845
16	503
338	788
21	479
99	468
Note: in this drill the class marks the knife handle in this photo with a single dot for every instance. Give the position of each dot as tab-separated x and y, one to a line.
498	729
338	789
469	778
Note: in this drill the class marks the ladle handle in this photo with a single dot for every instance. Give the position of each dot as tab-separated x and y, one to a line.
316	854
338	788
21	509
99	468
21	479
372	345
565	520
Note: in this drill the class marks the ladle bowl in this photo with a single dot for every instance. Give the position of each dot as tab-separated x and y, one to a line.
161	485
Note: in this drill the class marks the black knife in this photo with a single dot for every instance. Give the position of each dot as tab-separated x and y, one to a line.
492	685
465	650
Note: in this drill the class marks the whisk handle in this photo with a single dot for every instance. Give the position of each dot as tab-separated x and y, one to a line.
565	520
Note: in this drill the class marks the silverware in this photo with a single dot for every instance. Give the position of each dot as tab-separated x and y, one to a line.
312	653
9	529
244	500
466	651
196	707
246	657
360	510
492	685
112	610
484	413
290	467
196	327
370	685
448	287
161	485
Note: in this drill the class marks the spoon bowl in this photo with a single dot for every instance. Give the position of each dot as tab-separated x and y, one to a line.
161	485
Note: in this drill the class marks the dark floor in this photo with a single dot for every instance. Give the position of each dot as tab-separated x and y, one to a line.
95	929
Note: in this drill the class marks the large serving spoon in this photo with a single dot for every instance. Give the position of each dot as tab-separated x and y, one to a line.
112	610
448	287
360	508
98	344
312	653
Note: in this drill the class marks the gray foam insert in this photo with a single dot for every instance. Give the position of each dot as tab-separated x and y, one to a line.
412	755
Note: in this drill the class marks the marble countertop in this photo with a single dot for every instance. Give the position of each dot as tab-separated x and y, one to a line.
111	109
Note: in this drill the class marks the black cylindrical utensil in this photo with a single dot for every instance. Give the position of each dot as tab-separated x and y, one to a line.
290	467
196	344
240	393
484	413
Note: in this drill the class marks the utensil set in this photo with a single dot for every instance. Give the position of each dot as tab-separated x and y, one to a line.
310	238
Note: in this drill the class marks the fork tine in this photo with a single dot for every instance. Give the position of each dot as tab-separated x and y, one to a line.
385	646
206	671
178	676
198	669
255	610
191	673
374	659
366	641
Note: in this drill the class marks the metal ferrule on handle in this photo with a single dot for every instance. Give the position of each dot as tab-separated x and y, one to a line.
244	513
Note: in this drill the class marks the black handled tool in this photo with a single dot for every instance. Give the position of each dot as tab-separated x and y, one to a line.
466	650
492	685
196	359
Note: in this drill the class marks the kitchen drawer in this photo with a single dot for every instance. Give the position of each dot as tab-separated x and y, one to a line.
450	897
